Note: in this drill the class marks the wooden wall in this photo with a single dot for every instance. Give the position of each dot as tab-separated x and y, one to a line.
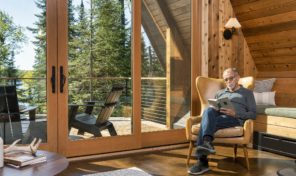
218	53
285	91
269	27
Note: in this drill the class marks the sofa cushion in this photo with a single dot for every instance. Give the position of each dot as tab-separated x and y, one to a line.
222	133
279	111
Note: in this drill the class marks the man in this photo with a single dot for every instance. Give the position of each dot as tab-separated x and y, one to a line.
244	104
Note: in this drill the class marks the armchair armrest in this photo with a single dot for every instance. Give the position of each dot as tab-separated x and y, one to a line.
248	131
189	122
31	108
93	102
86	105
93	105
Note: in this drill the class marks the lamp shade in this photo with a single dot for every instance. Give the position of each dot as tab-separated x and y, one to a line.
232	23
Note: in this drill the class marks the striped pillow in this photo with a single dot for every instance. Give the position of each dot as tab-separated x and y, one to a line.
265	98
264	85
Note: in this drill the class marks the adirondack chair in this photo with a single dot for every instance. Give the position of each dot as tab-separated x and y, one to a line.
86	122
10	114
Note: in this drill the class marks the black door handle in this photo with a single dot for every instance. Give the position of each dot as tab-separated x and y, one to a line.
62	79
53	79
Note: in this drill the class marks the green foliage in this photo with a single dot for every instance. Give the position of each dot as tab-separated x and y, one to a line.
99	46
36	89
101	49
11	40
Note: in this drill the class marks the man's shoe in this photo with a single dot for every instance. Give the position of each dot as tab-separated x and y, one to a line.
199	168
206	149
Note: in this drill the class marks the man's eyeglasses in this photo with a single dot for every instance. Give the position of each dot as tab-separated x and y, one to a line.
230	78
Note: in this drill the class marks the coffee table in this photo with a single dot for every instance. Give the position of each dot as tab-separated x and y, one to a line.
55	164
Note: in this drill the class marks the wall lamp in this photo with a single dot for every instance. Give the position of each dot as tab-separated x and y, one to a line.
231	24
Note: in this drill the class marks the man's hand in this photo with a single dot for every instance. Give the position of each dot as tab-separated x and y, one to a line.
217	109
228	112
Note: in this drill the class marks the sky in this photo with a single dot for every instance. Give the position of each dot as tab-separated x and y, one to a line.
23	12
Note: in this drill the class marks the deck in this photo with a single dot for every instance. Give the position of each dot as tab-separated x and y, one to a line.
122	126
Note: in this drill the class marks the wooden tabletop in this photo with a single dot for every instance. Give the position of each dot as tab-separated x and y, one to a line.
55	164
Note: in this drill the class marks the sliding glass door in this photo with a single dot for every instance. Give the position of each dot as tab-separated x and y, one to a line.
28	52
96	89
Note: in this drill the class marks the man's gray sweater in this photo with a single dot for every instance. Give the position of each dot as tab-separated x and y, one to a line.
243	102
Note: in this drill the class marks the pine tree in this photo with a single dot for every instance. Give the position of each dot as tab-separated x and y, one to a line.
37	87
11	71
157	69
11	40
72	34
144	59
79	66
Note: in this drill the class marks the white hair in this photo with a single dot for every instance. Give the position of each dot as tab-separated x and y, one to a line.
233	69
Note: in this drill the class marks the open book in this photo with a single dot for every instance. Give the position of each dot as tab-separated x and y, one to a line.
223	102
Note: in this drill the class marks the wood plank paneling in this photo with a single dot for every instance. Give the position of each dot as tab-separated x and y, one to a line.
181	10
214	38
219	54
278	121
196	54
276	74
205	29
276	67
267	11
182	17
241	2
258	5
222	22
269	27
276	130
286	43
210	37
178	4
222	54
275	60
282	81
250	68
269	20
272	36
275	52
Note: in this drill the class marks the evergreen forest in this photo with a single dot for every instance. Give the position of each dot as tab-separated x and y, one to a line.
99	50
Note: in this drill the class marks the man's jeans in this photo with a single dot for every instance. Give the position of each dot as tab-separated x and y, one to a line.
211	122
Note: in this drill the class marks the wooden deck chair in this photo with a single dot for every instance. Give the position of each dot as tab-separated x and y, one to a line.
10	112
86	122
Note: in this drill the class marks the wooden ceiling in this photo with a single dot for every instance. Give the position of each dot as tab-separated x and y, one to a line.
158	16
269	27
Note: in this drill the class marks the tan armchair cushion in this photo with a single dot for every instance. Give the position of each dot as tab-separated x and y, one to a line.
222	133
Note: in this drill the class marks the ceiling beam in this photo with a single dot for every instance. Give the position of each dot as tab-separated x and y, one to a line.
170	23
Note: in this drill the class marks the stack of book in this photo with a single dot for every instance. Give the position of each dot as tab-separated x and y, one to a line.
23	158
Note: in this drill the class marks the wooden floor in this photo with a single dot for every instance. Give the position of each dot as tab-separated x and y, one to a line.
173	163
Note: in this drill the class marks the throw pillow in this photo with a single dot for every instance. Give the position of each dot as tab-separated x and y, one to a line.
265	98
264	85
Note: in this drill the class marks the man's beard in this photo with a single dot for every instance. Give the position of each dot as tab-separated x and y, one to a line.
231	86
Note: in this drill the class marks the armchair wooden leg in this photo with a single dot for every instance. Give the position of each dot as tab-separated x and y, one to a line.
235	151
190	151
246	156
80	132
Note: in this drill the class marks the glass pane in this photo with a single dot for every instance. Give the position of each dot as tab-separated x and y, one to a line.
166	64
23	71
99	68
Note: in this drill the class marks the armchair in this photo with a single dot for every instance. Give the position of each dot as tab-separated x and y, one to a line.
207	88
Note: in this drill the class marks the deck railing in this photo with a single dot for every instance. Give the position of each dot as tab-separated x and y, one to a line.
153	94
